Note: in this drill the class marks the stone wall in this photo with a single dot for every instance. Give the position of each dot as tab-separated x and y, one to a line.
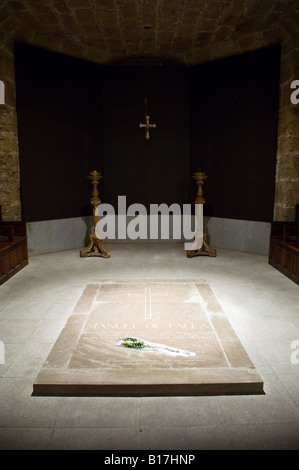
287	169
9	152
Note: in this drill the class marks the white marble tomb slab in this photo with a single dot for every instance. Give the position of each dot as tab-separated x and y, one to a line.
87	360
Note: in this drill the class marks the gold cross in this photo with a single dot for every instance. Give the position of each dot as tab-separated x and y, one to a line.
147	125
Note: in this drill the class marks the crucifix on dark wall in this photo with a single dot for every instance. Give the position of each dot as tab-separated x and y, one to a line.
147	126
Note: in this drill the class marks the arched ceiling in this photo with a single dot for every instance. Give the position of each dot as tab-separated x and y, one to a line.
181	31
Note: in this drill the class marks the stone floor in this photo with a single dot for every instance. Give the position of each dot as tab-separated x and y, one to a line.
261	304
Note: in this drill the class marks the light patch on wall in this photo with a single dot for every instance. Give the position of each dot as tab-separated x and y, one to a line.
2	92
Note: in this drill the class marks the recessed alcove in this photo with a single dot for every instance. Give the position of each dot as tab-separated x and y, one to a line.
75	116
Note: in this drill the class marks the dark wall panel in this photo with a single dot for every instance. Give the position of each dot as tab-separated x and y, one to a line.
154	170
75	116
59	119
234	133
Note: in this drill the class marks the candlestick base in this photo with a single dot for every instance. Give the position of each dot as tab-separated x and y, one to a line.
205	250
95	248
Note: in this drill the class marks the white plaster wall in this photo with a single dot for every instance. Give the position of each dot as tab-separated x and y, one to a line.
66	234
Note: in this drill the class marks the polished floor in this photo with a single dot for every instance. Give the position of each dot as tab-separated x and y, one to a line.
261	304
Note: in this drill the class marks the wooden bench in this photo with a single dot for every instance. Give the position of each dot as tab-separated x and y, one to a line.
13	248
284	247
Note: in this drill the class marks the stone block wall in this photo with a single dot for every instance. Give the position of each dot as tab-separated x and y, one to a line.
9	151
287	167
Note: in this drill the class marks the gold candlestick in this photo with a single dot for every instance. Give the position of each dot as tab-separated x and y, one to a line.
205	250
96	245
200	178
95	177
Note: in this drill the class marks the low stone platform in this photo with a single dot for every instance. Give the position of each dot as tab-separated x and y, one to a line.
198	352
